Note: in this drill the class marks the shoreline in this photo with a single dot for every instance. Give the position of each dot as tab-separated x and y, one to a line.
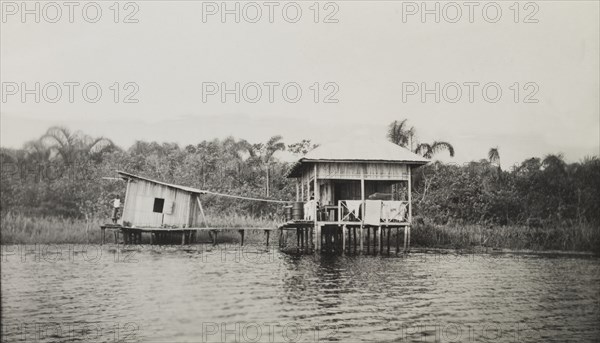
475	250
554	239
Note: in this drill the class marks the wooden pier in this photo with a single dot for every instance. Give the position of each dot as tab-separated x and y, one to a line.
345	238
183	236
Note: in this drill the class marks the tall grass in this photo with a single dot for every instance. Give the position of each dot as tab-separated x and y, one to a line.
17	228
568	238
20	229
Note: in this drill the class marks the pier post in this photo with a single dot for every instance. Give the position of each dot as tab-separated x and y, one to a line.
344	239
408	243
368	240
405	237
354	239
267	232
379	246
241	237
397	240
213	236
389	233
361	238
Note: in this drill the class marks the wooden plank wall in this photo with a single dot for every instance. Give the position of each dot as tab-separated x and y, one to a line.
372	171
140	200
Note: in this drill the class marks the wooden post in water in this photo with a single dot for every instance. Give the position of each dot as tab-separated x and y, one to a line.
315	199
241	237
354	234
409	207
362	198
408	243
397	240
389	233
368	240
344	239
380	230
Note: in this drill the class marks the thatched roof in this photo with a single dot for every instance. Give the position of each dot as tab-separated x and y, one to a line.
359	151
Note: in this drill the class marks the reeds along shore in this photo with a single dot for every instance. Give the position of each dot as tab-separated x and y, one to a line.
21	229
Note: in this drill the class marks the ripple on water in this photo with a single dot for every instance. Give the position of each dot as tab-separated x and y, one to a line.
182	296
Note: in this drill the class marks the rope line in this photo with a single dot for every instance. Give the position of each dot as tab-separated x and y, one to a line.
247	198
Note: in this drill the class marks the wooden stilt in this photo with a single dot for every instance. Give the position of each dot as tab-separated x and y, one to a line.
306	239
354	238
241	237
268	233
379	249
368	240
389	233
360	238
408	243
214	236
344	239
405	237
397	240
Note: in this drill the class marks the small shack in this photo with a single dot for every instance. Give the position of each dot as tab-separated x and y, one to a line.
169	213
353	186
155	204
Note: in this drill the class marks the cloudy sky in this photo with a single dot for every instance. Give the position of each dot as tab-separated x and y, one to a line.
360	66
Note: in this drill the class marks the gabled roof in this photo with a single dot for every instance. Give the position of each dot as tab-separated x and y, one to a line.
126	175
359	151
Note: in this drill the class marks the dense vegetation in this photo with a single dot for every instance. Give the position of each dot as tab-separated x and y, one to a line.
63	173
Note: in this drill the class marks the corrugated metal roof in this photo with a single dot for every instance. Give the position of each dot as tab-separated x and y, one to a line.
183	188
371	150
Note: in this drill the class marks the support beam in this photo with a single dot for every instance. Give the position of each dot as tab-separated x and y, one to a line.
201	211
409	194
316	199
379	246
344	239
362	198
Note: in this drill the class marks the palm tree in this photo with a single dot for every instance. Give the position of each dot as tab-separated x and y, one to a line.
264	153
428	150
37	151
494	156
273	145
69	145
399	133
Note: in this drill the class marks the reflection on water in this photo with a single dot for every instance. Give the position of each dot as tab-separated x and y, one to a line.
229	294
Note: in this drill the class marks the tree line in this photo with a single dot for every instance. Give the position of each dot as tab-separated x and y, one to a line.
70	174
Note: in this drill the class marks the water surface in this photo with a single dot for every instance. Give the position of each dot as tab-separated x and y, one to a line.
205	294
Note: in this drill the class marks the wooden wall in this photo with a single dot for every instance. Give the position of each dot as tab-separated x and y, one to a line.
371	171
139	202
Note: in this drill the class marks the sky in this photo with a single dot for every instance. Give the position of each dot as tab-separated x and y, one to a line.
167	71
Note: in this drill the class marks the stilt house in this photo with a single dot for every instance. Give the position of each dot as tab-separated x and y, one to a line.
355	184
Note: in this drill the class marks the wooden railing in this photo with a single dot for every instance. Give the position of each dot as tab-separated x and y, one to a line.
375	211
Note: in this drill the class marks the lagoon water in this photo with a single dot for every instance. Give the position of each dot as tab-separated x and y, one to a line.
72	293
